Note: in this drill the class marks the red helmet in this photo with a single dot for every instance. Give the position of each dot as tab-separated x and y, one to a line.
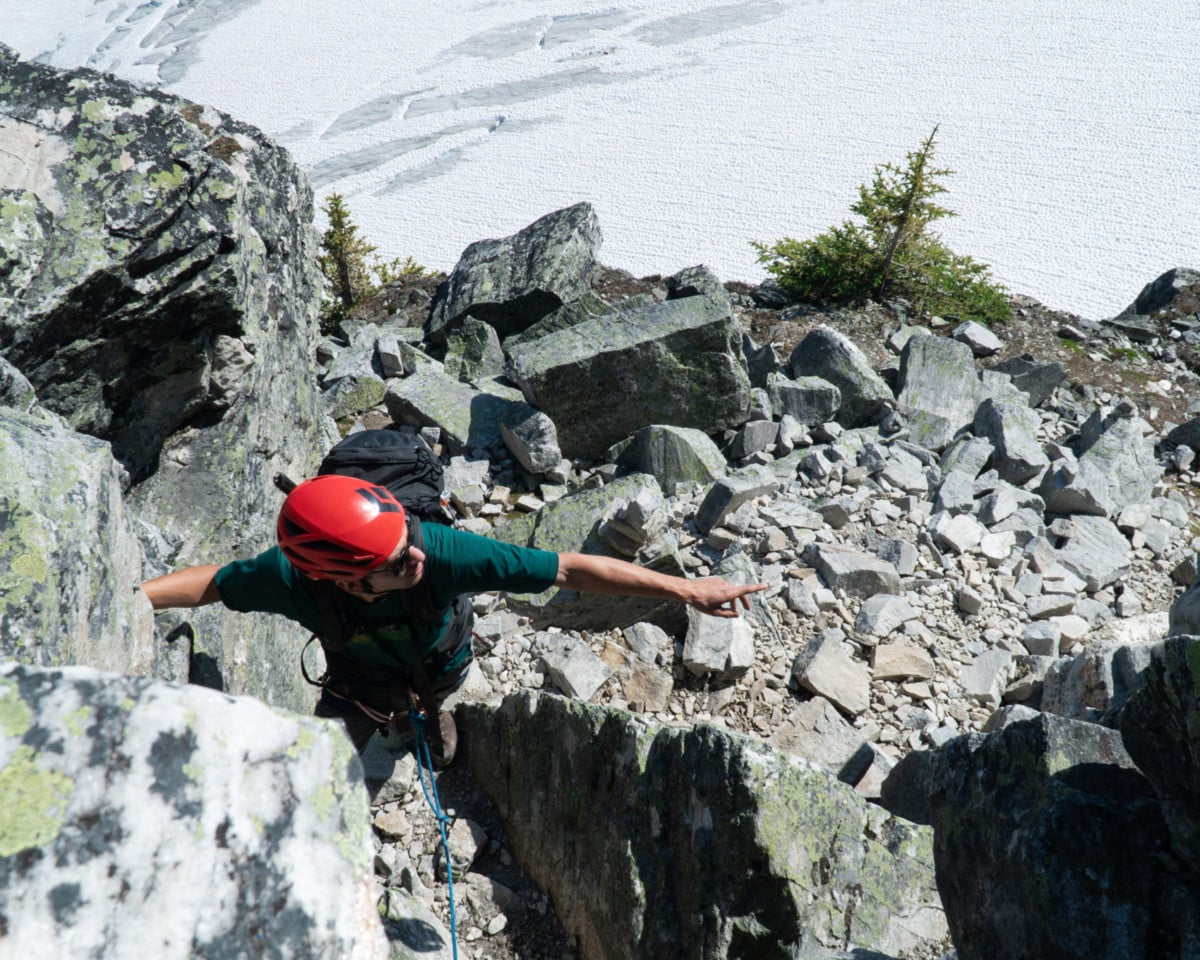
335	527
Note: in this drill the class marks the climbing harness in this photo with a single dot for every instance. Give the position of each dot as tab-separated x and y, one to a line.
425	768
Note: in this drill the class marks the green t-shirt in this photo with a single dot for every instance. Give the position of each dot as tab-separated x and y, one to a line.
456	562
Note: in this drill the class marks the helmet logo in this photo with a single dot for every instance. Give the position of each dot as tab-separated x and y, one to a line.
381	497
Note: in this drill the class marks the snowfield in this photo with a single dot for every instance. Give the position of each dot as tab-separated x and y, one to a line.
697	127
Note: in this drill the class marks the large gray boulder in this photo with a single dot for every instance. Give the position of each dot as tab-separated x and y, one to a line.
469	417
696	842
1177	289
147	820
672	455
1037	380
166	302
677	362
1118	445
833	357
514	282
1044	839
1097	551
1011	427
69	552
939	389
860	574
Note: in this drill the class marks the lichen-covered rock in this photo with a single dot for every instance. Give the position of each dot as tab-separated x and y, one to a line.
677	363
469	417
473	352
672	455
833	357
1160	727
147	820
696	842
513	283
1118	445
1048	843
167	304
70	559
940	388
1011	426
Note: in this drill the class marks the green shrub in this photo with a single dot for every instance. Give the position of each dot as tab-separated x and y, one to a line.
352	270
892	253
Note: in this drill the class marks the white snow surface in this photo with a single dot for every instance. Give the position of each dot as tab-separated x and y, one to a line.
697	126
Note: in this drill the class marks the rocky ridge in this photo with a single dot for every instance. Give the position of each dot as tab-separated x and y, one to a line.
915	590
971	539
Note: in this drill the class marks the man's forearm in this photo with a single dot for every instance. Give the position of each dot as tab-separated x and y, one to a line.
594	574
190	587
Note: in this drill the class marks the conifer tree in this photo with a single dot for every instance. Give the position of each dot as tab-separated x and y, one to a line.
344	255
894	253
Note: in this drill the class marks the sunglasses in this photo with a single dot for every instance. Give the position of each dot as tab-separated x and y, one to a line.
394	569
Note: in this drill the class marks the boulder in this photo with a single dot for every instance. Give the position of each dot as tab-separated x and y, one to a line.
473	352
1042	837
817	732
826	667
469	416
672	455
1035	379
727	494
711	844
1177	289
939	389
1097	552
982	341
808	400
512	283
719	647
227	823
677	363
833	357
859	574
1117	444
69	552
1161	730
1011	427
532	439
166	302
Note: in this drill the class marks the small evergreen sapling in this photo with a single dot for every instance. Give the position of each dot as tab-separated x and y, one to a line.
893	253
352	270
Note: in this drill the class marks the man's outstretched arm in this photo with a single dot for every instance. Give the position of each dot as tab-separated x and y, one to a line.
711	595
190	587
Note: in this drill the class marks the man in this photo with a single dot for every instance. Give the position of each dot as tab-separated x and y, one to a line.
388	596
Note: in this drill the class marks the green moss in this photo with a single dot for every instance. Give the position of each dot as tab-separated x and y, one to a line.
193	771
15	715
34	802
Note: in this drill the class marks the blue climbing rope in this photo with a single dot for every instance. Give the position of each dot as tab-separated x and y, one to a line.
425	767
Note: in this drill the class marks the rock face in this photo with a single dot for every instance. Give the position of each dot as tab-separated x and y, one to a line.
1162	734
710	845
164	300
1013	888
69	552
143	819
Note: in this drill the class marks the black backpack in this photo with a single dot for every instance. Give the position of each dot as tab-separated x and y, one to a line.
402	462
